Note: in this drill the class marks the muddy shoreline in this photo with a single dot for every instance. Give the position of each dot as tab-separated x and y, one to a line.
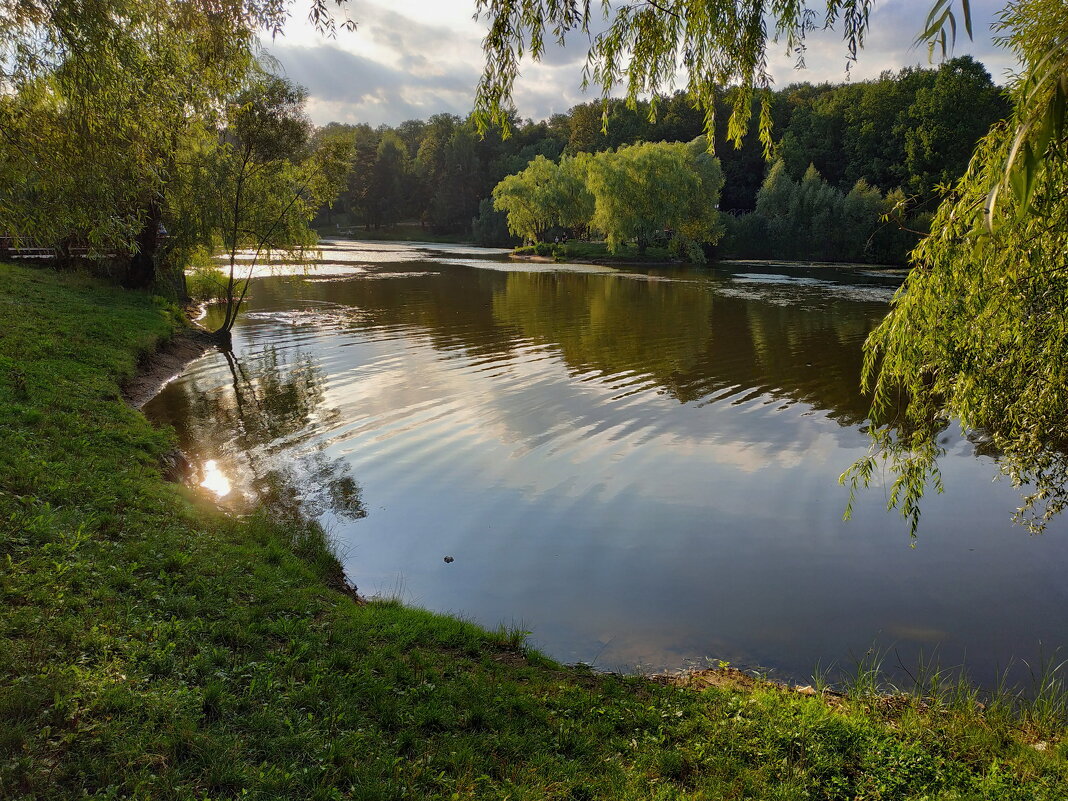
163	365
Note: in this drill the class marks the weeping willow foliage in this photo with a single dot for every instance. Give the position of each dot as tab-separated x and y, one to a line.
99	99
715	42
544	195
643	190
979	331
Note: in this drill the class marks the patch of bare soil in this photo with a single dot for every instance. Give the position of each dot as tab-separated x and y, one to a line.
159	368
730	678
725	677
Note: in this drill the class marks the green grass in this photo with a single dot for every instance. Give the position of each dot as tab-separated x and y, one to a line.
152	649
594	251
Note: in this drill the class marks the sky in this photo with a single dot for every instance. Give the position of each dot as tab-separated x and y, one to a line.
409	59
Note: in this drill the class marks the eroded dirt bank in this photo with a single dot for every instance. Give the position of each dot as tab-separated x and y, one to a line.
157	369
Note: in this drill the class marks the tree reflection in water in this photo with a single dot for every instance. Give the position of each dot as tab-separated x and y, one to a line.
644	459
259	431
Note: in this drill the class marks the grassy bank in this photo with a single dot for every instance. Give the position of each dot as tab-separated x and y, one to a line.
155	649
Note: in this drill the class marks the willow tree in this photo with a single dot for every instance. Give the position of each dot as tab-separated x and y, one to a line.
523	197
256	185
650	190
979	330
99	100
543	196
714	42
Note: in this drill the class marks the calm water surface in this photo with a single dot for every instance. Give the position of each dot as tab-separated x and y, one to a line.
639	468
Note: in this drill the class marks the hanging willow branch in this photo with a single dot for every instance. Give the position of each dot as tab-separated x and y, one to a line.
713	43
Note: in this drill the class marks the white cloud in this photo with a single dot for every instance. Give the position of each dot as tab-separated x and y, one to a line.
413	58
890	46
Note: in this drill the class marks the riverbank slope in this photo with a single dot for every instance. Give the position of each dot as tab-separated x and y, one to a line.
154	648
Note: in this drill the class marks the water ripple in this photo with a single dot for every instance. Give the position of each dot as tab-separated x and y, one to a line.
642	466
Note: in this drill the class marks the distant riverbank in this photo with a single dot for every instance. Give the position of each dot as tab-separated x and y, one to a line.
400	232
582	252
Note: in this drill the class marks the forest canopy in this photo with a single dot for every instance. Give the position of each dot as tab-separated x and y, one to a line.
866	131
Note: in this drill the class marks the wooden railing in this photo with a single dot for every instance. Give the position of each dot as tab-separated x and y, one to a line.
28	249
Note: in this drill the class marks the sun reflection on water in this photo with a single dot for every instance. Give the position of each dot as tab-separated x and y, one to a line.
215	480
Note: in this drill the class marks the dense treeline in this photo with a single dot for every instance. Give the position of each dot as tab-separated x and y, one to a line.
812	219
436	171
903	135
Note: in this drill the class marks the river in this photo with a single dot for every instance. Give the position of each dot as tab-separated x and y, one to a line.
639	467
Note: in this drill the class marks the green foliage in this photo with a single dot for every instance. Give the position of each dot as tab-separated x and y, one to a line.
597	252
258	184
490	227
662	191
644	191
525	199
646	45
455	165
205	280
101	103
902	130
915	129
810	219
555	250
978	332
641	193
946	119
387	193
545	195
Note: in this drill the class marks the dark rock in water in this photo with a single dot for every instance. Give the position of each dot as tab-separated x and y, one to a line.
449	560
175	467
